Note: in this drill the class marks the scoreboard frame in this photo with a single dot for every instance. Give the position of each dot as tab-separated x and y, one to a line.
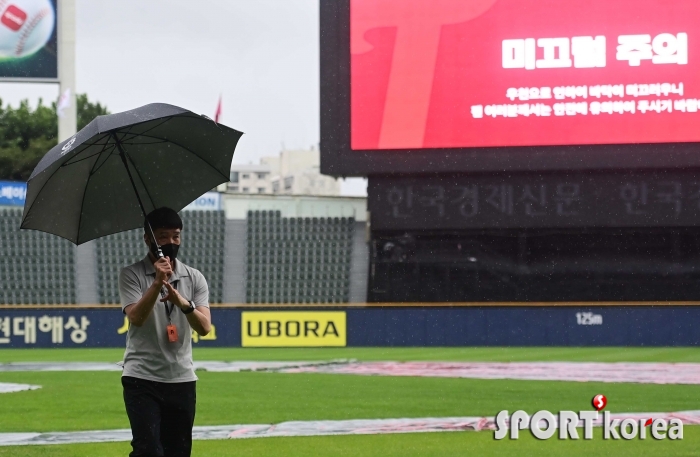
340	160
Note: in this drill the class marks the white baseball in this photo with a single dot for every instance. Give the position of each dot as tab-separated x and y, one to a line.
25	26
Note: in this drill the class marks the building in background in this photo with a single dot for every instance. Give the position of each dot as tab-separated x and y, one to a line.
292	172
250	179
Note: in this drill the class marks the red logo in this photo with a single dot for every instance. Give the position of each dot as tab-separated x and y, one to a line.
599	402
13	18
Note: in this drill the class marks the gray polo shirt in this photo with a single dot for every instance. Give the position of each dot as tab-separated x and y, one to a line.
149	355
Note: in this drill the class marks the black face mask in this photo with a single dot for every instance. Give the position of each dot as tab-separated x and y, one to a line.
169	250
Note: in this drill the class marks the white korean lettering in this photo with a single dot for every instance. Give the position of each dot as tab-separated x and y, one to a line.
559	109
5	330
54	325
588	52
670	48
79	333
556	53
519	54
634	48
25	326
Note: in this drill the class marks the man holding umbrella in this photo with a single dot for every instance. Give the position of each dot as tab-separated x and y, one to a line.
147	162
164	300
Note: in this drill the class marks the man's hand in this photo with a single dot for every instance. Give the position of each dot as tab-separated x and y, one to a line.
163	270
175	298
199	319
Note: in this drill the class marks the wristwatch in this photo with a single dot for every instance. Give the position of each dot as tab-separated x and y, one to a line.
190	309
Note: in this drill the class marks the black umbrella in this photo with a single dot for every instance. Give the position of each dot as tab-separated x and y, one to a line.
109	175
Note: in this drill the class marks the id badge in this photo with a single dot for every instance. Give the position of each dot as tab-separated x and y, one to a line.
172	333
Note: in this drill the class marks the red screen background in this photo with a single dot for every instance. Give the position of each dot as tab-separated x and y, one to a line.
418	67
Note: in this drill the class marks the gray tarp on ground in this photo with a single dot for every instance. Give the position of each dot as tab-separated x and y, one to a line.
231	367
313	428
9	387
647	373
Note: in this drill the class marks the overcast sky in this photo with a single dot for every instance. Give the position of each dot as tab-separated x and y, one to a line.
261	56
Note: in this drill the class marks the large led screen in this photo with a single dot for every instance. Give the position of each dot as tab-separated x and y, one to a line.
28	40
474	80
466	73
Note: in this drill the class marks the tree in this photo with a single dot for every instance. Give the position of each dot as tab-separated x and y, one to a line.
88	111
26	134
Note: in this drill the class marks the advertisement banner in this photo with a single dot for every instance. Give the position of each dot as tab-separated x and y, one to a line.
211	201
76	327
28	39
559	325
12	193
299	329
502	73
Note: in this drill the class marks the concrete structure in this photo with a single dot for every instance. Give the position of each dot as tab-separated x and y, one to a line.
237	206
250	179
67	123
292	172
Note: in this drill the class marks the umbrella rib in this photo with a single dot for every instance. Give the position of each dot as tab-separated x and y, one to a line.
95	170
128	132
49	179
139	144
104	146
122	133
87	183
80	160
193	153
97	142
153	204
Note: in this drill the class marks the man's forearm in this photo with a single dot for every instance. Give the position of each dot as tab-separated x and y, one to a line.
199	322
139	312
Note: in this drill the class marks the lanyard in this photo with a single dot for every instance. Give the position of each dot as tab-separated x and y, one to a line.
168	310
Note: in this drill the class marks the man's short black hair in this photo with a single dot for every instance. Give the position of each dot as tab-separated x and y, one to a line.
162	218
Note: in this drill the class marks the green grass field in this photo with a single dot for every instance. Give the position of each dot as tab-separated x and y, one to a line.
92	400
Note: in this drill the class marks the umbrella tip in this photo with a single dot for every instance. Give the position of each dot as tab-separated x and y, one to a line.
207	117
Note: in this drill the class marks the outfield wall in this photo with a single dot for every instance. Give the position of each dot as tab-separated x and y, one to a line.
501	324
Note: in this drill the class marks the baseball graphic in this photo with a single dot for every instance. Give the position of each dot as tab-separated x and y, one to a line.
25	26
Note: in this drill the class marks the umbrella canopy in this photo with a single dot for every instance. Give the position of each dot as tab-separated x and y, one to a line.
108	175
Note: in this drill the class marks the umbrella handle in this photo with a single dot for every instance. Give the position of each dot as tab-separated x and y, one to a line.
159	252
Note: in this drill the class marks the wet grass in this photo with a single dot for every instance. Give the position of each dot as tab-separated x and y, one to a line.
92	400
408	445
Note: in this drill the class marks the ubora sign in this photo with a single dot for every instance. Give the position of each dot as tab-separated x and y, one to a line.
293	328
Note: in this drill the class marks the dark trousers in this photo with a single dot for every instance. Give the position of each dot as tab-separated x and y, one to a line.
161	416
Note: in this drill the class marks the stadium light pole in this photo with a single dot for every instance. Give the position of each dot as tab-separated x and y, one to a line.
68	122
